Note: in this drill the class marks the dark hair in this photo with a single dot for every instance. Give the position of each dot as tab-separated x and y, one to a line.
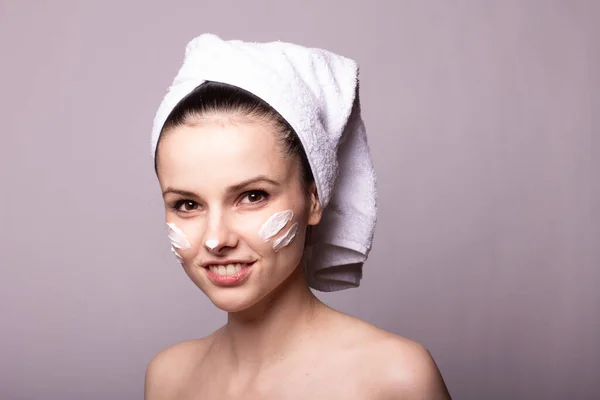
212	98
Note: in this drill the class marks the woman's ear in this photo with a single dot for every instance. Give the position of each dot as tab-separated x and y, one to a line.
314	211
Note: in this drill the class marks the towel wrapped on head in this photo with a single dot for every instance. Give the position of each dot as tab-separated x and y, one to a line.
316	92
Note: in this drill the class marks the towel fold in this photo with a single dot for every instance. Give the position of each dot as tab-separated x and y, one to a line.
316	91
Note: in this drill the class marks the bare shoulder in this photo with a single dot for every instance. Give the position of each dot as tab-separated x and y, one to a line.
407	369
394	366
168	371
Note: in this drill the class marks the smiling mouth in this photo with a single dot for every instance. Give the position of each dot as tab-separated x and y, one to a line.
228	269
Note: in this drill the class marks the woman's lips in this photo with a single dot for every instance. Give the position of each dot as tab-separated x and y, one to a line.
228	275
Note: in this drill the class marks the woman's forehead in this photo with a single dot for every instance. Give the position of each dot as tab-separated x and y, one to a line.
225	152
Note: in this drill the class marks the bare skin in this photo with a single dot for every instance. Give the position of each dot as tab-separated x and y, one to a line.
322	354
280	341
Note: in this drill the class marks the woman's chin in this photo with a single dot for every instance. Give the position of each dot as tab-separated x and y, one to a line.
233	302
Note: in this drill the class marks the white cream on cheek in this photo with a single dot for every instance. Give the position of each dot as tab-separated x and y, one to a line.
286	239
275	224
178	240
177	255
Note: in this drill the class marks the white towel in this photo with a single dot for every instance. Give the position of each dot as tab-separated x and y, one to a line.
316	91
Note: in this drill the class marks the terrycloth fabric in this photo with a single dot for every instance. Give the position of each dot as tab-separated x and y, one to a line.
316	91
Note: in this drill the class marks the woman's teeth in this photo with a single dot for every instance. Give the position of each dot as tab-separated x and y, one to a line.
229	269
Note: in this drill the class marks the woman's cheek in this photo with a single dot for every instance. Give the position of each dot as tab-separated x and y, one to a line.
248	233
278	231
286	238
274	224
183	239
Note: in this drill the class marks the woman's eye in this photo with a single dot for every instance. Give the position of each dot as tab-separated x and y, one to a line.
254	196
186	205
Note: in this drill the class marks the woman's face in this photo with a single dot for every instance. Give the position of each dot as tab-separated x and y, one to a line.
227	186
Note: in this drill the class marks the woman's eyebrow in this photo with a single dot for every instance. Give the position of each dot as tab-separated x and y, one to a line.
260	178
183	193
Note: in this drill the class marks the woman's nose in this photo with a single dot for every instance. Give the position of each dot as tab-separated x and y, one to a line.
218	236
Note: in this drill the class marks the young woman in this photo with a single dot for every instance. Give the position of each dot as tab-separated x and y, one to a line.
241	201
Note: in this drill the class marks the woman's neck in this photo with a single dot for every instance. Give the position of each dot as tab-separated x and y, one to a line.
271	329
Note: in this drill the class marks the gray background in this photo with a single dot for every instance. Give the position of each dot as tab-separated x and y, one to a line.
483	118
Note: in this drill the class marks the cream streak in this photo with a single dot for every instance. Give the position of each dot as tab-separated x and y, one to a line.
286	239
178	239
177	255
275	224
